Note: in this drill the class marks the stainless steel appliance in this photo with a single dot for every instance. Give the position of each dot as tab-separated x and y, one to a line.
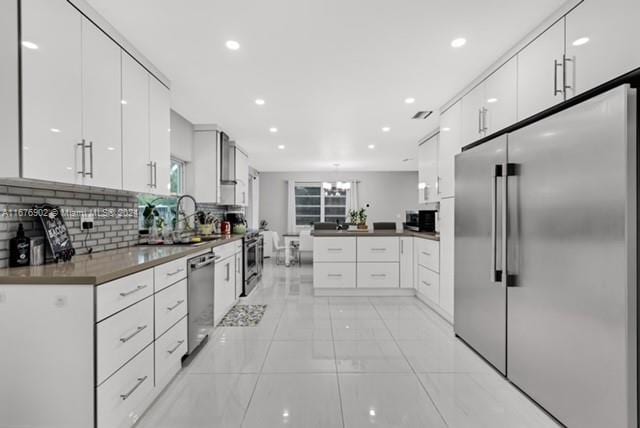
427	220
545	259
200	282
411	221
253	244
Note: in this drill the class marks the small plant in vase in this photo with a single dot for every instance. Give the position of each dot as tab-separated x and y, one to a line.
359	218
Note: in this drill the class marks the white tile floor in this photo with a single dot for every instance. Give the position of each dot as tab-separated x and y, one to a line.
338	362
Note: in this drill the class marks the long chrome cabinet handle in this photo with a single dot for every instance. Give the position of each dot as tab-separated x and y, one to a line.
83	172
150	165
90	146
479	120
178	303
175	272
484	120
426	283
498	171
228	267
134	334
131	391
135	290
556	64
565	60
334	249
334	275
378	275
378	249
175	348
155	175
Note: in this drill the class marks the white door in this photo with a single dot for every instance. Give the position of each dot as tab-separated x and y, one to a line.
446	217
159	137
501	101
598	40
422	173
540	83
137	171
406	262
51	91
101	111
472	113
448	147
430	173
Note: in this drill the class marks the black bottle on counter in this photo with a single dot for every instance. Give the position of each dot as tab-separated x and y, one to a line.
19	249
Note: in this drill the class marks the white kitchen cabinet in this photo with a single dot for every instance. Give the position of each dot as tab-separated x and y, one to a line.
500	98
224	287
406	262
429	254
446	224
101	109
378	249
377	275
137	169
449	145
472	112
540	82
159	137
334	275
205	182
51	90
598	37
239	281
242	178
170	307
334	249
429	285
428	170
169	350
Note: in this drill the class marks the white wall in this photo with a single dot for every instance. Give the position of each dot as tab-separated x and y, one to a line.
181	137
387	193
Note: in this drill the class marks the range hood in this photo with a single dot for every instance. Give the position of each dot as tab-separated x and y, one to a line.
227	160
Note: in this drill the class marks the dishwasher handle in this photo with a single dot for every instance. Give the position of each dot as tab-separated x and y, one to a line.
207	261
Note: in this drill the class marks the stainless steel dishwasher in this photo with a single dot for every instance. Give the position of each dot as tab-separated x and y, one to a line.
200	298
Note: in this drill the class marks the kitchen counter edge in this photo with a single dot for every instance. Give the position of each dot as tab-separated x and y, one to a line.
335	233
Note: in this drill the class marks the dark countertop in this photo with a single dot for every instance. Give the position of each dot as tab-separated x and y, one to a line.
424	235
106	266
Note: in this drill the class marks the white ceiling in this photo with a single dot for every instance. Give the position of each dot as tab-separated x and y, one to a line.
332	72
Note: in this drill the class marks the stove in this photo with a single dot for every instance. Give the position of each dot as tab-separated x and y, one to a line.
253	246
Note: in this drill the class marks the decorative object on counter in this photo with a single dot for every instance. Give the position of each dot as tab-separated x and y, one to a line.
225	228
243	316
264	225
56	232
239	229
359	218
19	249
37	251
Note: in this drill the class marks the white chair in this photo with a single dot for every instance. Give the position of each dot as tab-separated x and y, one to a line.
277	248
306	243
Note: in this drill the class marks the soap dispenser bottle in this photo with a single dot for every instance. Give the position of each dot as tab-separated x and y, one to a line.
19	249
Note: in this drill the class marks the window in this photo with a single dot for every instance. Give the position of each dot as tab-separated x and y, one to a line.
177	176
316	202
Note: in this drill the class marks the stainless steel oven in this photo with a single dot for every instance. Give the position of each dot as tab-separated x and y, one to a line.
253	260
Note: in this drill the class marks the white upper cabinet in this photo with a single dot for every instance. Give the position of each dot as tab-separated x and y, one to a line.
428	171
500	102
449	145
205	180
137	169
472	114
540	72
600	42
159	137
51	90
242	178
101	111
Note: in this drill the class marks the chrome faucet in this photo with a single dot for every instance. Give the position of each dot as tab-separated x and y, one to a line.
178	210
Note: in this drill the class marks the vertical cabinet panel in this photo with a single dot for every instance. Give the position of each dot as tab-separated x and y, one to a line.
206	182
472	105
597	42
428	170
159	138
540	83
51	90
500	101
449	146
446	223
224	287
101	111
406	262
242	178
137	174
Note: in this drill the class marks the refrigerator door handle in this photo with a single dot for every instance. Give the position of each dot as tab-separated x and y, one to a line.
496	274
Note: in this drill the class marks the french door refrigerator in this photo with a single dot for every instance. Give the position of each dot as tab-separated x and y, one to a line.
545	259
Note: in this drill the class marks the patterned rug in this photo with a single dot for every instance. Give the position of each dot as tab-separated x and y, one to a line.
243	316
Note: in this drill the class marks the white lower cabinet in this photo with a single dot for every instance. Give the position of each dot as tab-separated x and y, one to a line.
429	254
123	399
334	275
224	287
239	280
169	349
446	216
170	306
378	249
378	275
334	249
406	262
429	284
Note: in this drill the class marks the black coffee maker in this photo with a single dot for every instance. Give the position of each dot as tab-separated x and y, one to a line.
236	218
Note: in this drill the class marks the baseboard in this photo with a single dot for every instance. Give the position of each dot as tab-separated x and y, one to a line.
365	292
434	307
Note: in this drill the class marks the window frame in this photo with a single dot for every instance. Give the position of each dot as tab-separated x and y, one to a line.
323	204
182	167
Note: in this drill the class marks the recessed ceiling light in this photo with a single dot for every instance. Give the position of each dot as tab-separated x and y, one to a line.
409	100
445	129
55	130
581	41
29	45
232	45
123	102
372	412
260	101
111	148
386	129
273	129
69	168
459	42
371	146
492	100
281	146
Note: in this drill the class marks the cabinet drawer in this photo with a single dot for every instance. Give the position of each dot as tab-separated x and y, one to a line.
170	348
378	249
334	275
169	273
171	305
125	396
429	254
117	295
334	249
226	250
378	275
429	283
122	336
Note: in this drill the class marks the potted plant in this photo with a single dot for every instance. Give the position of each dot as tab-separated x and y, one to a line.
359	218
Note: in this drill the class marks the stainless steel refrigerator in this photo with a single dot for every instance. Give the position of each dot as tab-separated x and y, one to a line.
545	259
